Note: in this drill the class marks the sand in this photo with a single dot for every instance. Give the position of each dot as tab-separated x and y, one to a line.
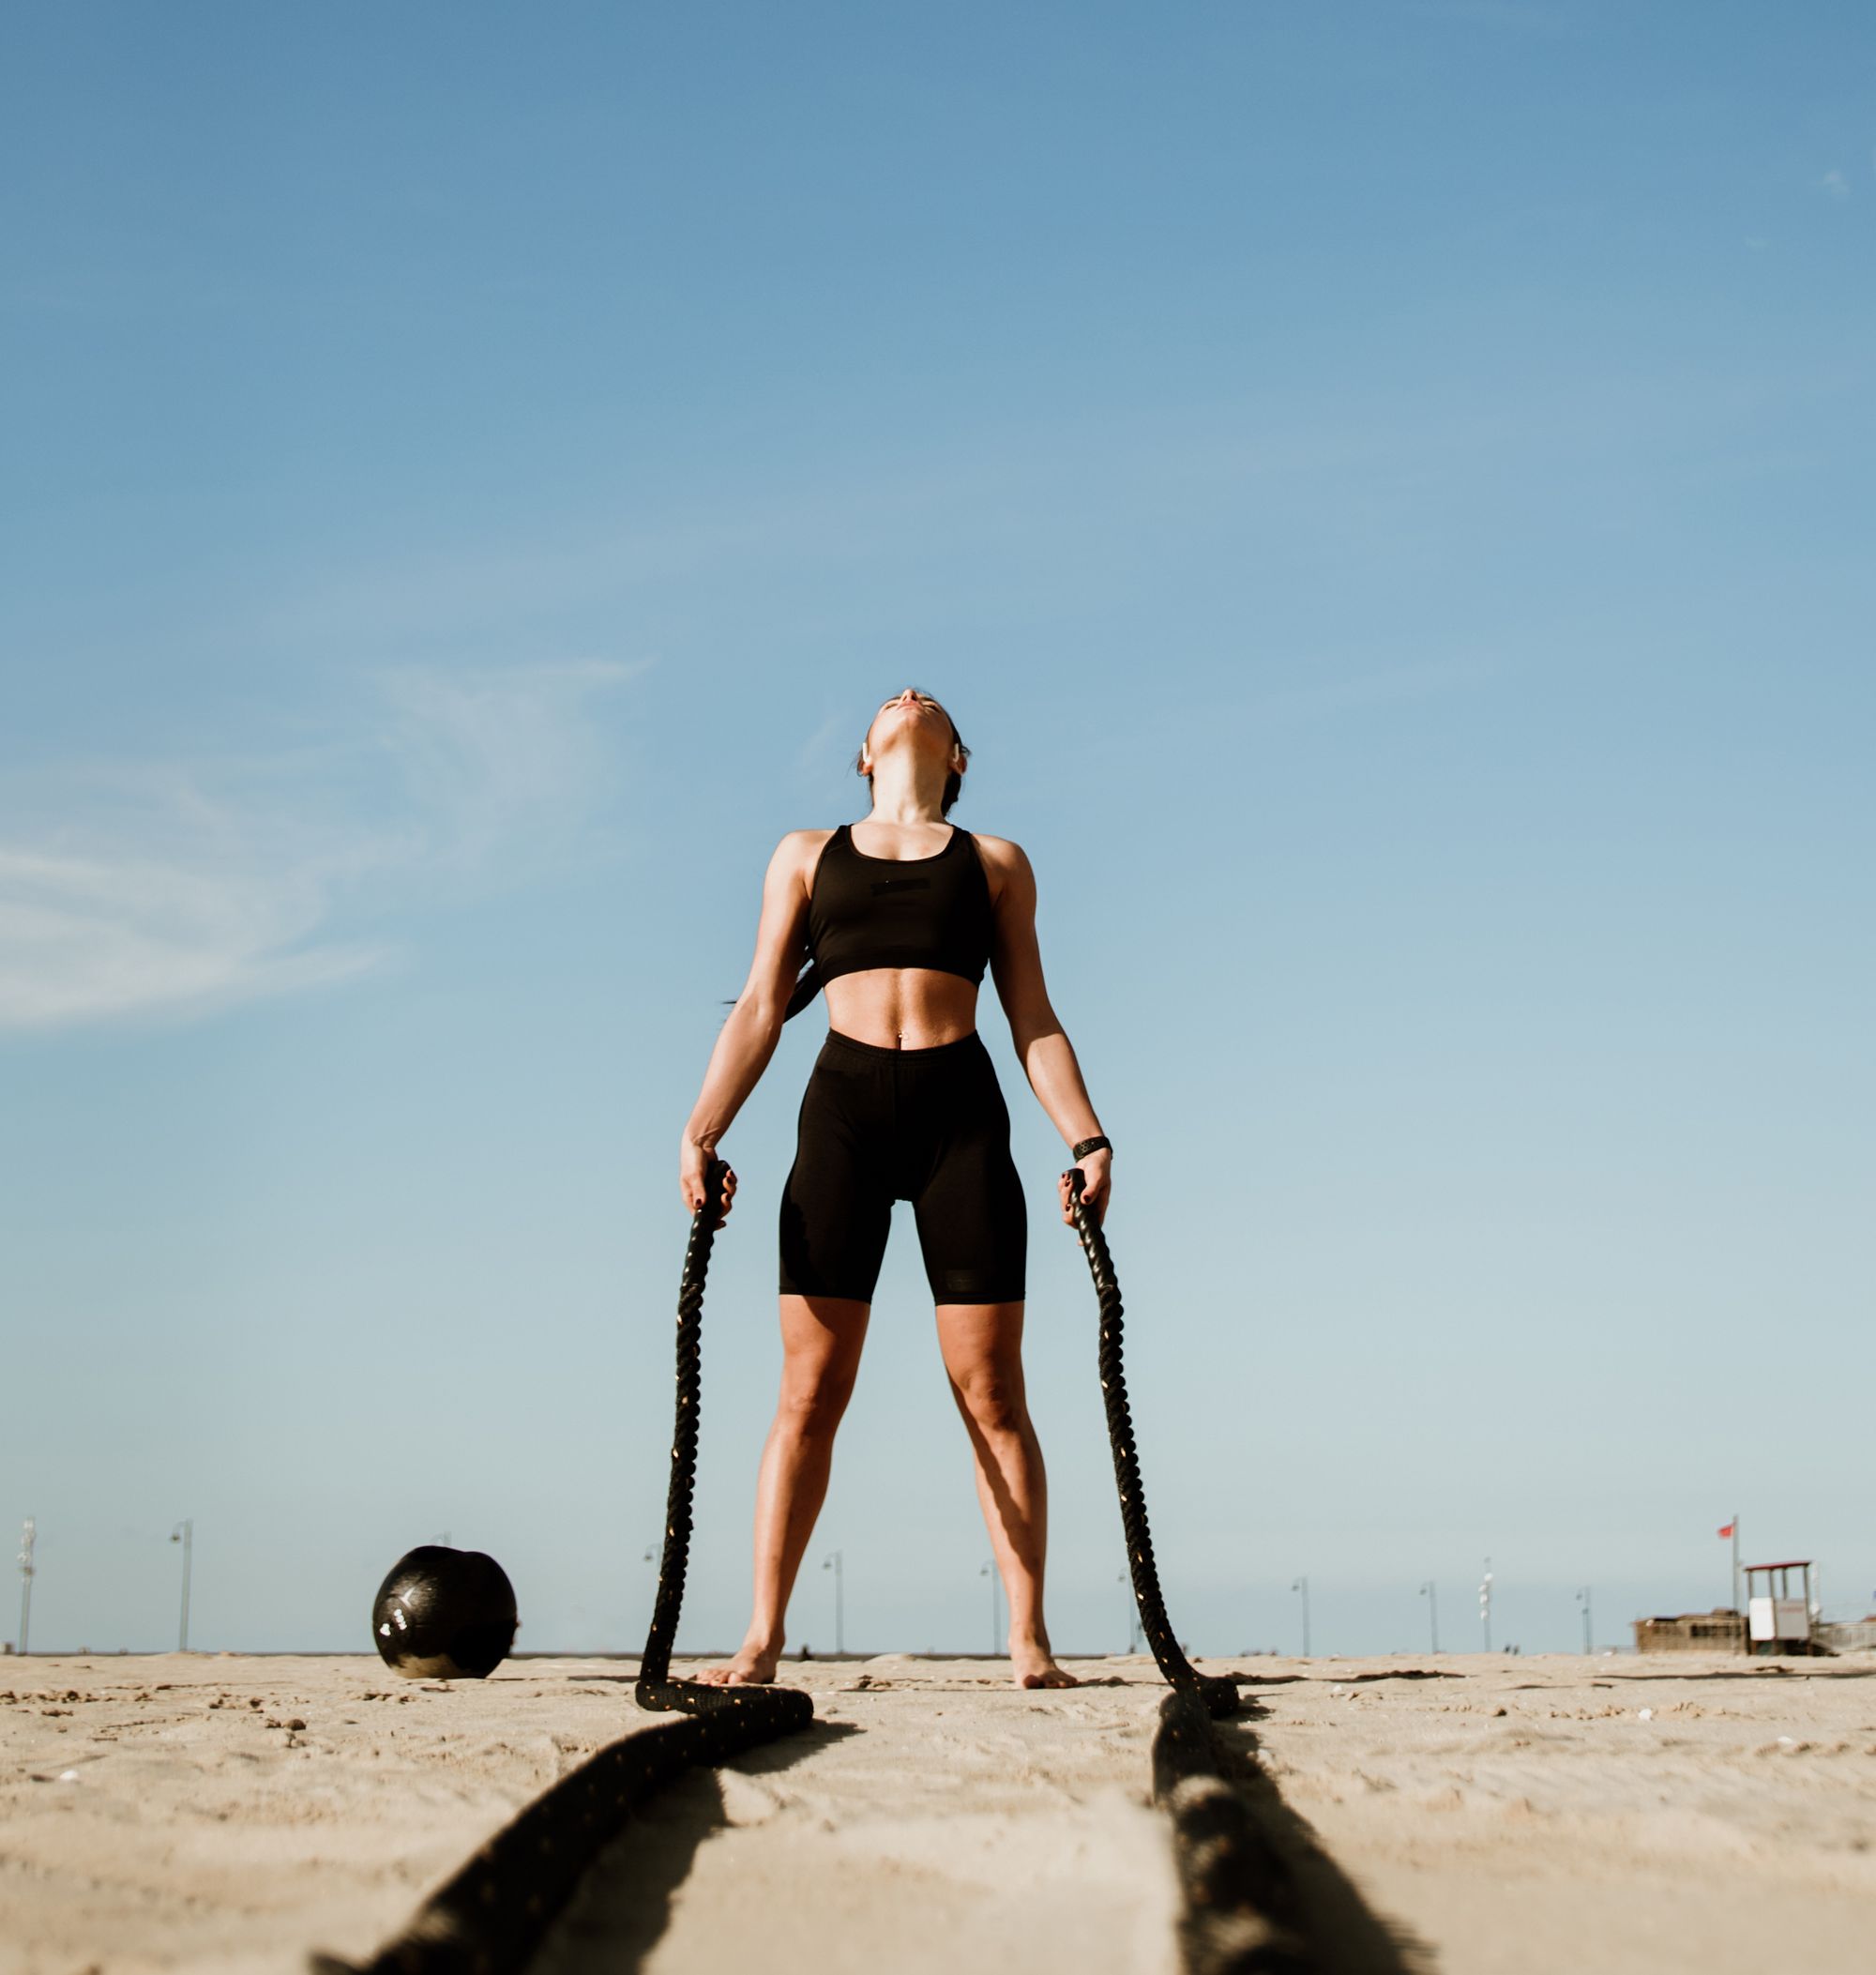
1712	1815
1512	1815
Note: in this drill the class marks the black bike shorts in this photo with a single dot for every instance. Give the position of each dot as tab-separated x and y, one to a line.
924	1124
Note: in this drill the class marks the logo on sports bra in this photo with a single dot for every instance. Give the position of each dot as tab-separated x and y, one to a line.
901	884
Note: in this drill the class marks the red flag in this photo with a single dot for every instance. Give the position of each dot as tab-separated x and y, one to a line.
1728	1530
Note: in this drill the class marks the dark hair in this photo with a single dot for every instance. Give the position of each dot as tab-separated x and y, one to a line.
954	782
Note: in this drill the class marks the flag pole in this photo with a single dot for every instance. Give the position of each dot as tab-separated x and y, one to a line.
1736	1606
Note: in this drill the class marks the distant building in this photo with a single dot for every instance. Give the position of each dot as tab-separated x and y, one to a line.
1717	1631
1781	1616
1775	1621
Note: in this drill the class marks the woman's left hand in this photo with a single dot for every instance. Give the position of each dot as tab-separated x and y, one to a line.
1096	1172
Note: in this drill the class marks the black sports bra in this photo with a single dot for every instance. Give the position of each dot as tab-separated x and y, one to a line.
885	912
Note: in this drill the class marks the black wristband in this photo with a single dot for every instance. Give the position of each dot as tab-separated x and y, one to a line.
1096	1144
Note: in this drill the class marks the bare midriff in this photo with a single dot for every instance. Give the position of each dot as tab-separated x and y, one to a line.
902	1008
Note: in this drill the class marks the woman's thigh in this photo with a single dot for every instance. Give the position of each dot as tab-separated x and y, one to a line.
822	1338
972	1223
835	1202
982	1348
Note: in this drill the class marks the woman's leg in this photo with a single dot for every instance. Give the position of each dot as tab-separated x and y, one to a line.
982	1344
821	1340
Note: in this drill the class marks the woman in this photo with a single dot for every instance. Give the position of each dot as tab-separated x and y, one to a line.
899	914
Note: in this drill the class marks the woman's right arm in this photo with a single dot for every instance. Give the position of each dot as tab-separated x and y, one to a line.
748	1036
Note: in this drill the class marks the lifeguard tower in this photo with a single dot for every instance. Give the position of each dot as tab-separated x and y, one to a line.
1776	1621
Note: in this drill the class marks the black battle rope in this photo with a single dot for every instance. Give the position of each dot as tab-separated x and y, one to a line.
768	1711
1218	1696
489	1917
1238	1905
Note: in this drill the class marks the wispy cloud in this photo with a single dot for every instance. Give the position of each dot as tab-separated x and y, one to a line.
1835	185
87	937
829	741
178	888
497	760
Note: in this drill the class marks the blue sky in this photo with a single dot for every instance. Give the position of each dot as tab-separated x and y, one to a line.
1384	490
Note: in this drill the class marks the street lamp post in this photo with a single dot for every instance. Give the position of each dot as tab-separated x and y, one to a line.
1431	1592
1485	1604
652	1555
1302	1585
833	1563
183	1533
1133	1639
989	1571
27	1537
1588	1629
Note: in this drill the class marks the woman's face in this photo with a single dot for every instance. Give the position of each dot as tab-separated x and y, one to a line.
911	715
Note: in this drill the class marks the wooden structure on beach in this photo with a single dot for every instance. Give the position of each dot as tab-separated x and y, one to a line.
1775	1620
1717	1631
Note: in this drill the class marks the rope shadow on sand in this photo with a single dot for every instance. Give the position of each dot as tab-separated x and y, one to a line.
489	1916
1262	1897
1343	1679
1809	1672
625	1900
623	1905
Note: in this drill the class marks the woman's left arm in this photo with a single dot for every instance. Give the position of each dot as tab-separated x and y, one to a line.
1042	1045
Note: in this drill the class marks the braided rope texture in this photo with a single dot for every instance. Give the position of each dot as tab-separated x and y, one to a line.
489	1919
775	1711
1240	1912
1218	1695
1238	1906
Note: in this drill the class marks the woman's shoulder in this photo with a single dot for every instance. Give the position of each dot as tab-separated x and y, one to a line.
1006	868
1000	853
806	842
800	850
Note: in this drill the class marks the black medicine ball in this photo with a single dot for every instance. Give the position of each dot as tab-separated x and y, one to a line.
445	1615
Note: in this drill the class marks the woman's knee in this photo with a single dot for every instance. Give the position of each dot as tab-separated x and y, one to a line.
821	1339
991	1394
812	1402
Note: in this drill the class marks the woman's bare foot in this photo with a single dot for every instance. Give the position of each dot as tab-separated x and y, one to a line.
1032	1665
754	1666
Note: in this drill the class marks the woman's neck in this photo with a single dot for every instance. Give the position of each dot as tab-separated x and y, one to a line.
908	792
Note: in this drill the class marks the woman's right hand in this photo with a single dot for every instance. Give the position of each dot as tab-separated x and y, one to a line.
693	1164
